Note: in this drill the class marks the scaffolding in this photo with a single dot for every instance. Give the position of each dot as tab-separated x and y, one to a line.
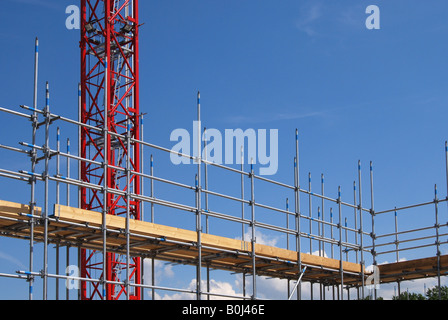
329	241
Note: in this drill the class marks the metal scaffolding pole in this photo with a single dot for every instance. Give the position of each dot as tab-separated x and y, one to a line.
396	235
199	210
361	229
310	212
128	209
437	226
206	204
67	264
153	281
341	270
372	213
142	190
331	233
58	159
297	212
252	224
320	243
32	180
68	173
79	144
446	167
355	216
47	156
287	242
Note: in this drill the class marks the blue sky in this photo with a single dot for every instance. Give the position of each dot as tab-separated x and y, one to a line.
353	93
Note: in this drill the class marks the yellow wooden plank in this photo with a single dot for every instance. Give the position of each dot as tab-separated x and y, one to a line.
412	265
13	210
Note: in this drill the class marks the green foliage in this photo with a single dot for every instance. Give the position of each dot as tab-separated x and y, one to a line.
409	296
370	298
431	294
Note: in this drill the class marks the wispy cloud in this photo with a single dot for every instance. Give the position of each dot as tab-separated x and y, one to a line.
264	118
42	3
11	259
308	16
218	287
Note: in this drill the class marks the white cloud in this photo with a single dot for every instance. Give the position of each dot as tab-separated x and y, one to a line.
161	268
261	238
264	117
41	3
11	259
308	16
218	287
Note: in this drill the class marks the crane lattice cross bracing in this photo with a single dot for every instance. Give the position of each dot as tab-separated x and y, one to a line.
109	97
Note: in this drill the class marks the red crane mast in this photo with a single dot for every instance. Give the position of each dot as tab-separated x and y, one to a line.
110	101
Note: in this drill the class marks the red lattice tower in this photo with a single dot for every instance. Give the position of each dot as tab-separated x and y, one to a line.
109	90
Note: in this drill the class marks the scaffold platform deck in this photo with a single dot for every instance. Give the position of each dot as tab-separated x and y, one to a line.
83	228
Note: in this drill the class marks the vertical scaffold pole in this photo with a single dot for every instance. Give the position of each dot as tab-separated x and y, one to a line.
142	180
142	190
331	233
153	281
198	209
287	241
79	145
323	214
287	223
58	159
33	168
128	208
372	213
320	244
46	200
396	246
67	292
68	173
151	168
206	180
297	212
242	193
355	216
437	226
242	212
396	235
360	228
318	230
346	238
332	244
67	263
206	204
341	270
446	167
253	240
310	212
